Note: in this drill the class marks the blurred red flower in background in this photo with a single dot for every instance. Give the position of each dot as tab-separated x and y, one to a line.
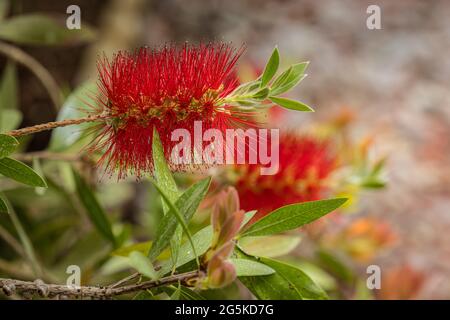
304	165
167	88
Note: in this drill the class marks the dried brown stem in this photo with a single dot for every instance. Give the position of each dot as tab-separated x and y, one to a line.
55	124
28	288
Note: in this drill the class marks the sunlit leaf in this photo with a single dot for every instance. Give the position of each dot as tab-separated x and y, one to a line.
269	246
291	104
143	265
271	68
246	267
292	216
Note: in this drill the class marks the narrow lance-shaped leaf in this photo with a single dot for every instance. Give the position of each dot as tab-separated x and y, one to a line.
165	180
95	211
202	241
187	204
20	172
7	145
191	203
288	79
246	267
271	68
291	104
292	217
287	283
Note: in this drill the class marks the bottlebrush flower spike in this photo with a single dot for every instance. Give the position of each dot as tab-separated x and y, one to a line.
304	165
167	88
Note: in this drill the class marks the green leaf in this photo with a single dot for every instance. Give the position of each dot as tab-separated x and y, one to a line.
293	216
261	94
7	145
143	265
8	87
288	79
246	267
176	294
165	180
143	247
20	172
287	283
187	204
39	29
269	246
3	206
271	68
95	212
291	104
10	119
202	240
75	106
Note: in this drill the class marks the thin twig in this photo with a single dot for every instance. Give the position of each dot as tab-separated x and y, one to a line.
11	286
55	124
39	71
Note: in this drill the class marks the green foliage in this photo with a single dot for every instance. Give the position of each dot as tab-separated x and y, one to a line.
287	283
7	145
143	265
246	268
292	217
39	29
20	172
251	95
271	68
291	104
269	246
94	210
75	106
179	213
165	180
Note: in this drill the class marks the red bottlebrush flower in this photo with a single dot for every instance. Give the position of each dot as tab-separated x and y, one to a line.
167	89
304	164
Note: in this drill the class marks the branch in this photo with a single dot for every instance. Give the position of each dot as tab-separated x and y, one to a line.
28	288
55	124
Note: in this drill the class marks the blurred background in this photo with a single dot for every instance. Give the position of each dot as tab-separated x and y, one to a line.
388	86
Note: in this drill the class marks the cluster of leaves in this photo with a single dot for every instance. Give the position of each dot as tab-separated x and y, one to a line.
264	277
253	93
